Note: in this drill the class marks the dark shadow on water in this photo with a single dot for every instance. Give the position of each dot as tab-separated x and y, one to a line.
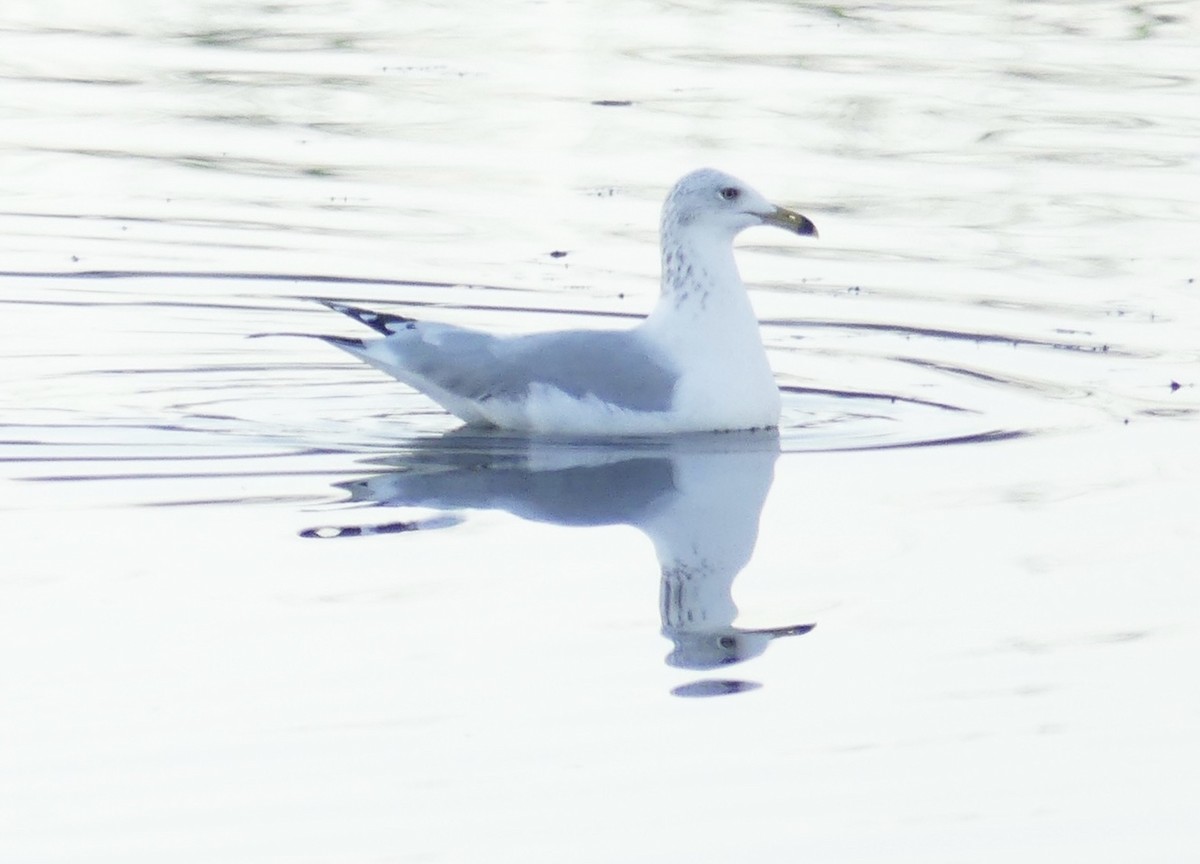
697	498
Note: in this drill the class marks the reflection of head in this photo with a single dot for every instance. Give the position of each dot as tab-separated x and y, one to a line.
712	649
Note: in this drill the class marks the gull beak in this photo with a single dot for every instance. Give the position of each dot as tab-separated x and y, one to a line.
790	220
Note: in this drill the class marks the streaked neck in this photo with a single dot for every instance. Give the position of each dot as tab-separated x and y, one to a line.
700	278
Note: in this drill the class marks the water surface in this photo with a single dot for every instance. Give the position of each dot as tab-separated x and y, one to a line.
265	604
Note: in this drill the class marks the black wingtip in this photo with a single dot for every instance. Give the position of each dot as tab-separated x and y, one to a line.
343	341
340	341
380	322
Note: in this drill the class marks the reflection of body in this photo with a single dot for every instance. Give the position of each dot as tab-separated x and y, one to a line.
697	497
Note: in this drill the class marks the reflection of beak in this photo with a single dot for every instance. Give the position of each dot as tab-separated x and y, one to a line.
776	632
790	220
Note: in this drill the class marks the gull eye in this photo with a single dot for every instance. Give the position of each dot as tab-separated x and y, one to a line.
730	193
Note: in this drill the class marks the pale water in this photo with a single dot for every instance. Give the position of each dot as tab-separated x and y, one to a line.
261	603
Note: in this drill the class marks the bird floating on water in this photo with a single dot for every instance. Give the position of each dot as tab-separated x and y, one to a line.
695	364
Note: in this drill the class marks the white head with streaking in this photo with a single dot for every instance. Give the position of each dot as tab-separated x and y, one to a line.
722	205
696	364
700	218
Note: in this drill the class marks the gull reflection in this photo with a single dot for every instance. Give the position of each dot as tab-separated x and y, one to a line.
697	497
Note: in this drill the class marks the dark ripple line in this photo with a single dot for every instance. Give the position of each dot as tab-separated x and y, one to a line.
289	277
859	394
973	438
29	460
248	276
217	475
913	330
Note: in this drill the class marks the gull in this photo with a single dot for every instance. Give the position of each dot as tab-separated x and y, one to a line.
696	363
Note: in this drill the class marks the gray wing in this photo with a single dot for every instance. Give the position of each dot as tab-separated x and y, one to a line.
619	367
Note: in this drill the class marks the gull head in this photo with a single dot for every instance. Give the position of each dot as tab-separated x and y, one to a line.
713	202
